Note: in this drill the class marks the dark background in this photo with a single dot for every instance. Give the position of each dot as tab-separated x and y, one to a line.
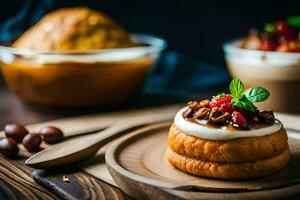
194	28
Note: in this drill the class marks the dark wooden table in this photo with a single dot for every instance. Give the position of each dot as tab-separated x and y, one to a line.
16	179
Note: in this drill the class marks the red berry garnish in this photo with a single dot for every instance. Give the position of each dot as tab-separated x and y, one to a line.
252	41
217	102
238	120
291	46
284	47
269	45
228	107
295	48
285	32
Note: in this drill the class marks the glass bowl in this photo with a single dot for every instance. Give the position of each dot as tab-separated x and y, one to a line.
279	72
80	79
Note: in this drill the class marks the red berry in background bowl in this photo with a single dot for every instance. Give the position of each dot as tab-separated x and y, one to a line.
238	120
291	46
295	47
15	131
252	41
268	44
217	102
283	47
284	31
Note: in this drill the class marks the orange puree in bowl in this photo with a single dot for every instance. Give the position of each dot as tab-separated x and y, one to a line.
73	79
73	84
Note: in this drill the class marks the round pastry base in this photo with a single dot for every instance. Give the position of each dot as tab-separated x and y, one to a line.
139	166
238	150
243	170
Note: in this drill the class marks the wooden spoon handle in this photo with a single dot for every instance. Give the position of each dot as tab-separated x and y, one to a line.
83	147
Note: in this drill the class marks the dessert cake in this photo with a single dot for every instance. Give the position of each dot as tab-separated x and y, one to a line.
227	137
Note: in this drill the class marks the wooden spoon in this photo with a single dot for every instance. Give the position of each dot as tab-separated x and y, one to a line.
86	146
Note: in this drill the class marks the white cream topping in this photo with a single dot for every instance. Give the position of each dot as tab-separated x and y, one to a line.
220	133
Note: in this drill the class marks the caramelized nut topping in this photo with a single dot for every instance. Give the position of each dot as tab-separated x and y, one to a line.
221	111
204	103
217	116
193	105
267	116
188	113
202	113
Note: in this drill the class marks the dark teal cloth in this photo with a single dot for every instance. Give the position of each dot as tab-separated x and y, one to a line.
182	76
30	13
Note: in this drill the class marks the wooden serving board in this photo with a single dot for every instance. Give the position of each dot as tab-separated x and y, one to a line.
138	165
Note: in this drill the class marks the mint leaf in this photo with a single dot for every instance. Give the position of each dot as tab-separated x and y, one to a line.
257	94
294	21
269	28
222	94
243	103
237	88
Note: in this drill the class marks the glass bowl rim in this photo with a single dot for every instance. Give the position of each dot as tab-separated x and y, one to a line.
153	42
231	47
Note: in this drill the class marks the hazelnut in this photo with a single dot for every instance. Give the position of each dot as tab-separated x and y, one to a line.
189	113
194	105
218	116
32	142
204	103
9	147
203	113
15	131
267	117
51	134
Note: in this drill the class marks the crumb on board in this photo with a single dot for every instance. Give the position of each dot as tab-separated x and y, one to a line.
66	179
